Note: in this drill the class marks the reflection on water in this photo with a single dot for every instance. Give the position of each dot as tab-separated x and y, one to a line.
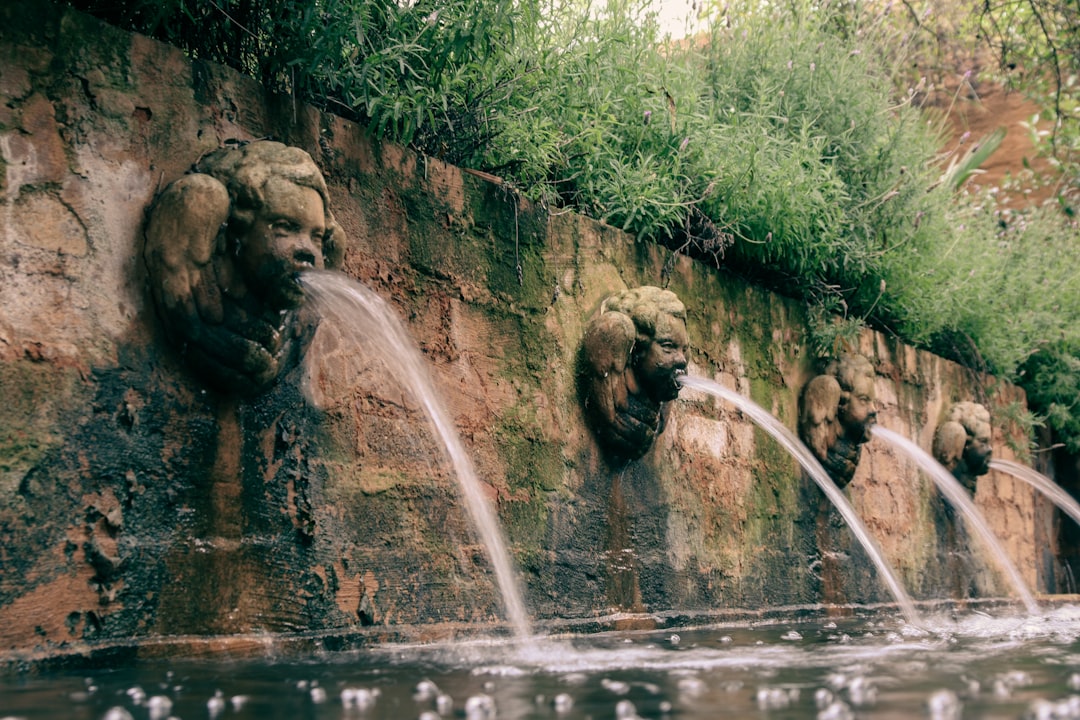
970	665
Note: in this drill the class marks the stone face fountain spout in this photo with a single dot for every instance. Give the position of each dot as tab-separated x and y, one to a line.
224	248
962	443
632	355
236	253
837	415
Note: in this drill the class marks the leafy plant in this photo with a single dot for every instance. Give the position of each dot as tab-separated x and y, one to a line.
1052	380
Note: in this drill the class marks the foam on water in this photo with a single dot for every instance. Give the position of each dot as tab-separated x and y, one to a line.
961	664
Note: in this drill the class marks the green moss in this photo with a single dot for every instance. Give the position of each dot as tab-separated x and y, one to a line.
109	53
532	464
35	394
451	249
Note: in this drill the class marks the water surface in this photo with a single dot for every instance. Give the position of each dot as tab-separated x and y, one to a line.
970	665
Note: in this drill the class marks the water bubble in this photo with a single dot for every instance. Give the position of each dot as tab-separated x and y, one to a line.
861	691
725	639
1066	709
823	698
489	686
429	715
1074	681
159	707
944	705
665	706
1006	683
444	704
117	713
238	702
480	707
791	635
359	698
215	705
625	710
691	687
836	710
776	698
562	703
675	639
1017	678
425	690
1041	710
318	695
615	686
137	694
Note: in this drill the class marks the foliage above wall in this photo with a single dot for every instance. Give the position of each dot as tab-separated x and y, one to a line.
777	147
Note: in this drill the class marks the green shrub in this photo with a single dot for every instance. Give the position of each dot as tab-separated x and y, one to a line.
1051	378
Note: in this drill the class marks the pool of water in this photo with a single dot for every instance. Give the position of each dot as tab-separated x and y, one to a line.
960	665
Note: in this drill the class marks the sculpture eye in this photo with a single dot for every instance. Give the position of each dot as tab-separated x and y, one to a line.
284	227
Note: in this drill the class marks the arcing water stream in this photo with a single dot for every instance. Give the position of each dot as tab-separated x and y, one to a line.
810	463
955	493
365	320
1041	483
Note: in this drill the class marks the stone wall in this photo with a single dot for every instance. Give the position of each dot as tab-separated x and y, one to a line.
135	504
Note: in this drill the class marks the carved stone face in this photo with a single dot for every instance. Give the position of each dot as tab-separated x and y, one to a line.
838	413
977	450
632	354
225	245
857	411
663	359
962	443
285	238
